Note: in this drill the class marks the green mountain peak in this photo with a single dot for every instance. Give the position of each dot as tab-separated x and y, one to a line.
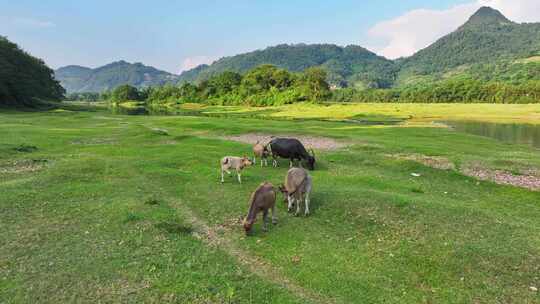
486	16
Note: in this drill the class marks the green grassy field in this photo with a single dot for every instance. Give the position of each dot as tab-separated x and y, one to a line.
414	113
106	209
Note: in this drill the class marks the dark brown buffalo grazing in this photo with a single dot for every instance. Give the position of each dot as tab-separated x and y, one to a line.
292	149
262	200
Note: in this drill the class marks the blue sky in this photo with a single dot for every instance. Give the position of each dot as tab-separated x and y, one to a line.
172	35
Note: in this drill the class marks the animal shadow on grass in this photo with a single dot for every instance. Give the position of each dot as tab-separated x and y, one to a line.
315	200
284	163
183	137
233	179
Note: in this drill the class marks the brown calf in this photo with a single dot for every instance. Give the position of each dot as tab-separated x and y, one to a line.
262	200
261	151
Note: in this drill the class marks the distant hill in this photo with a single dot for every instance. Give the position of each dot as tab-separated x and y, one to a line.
351	65
82	79
24	79
487	47
487	38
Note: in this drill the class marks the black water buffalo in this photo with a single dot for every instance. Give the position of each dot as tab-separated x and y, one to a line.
291	149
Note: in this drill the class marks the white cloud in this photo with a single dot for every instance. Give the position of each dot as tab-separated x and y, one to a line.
193	62
416	29
33	23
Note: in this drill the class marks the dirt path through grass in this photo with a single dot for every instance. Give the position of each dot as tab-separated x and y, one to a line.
212	237
310	142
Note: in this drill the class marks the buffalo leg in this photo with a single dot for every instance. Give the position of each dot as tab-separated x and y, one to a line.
265	220
307	204
274	215
291	203
298	201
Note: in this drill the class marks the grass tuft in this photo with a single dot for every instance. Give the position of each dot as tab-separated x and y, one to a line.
174	228
24	148
132	217
417	190
152	201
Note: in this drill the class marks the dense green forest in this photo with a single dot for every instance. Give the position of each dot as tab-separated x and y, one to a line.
77	79
264	85
345	66
24	80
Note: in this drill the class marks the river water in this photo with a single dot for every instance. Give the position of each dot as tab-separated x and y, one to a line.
516	133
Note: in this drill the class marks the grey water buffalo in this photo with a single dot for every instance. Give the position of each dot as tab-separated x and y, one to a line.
297	188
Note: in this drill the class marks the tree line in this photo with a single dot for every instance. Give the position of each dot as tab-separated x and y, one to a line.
461	90
265	85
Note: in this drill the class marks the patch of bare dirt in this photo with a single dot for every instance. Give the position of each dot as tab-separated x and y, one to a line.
23	166
531	182
94	141
532	172
317	143
529	179
437	162
169	142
